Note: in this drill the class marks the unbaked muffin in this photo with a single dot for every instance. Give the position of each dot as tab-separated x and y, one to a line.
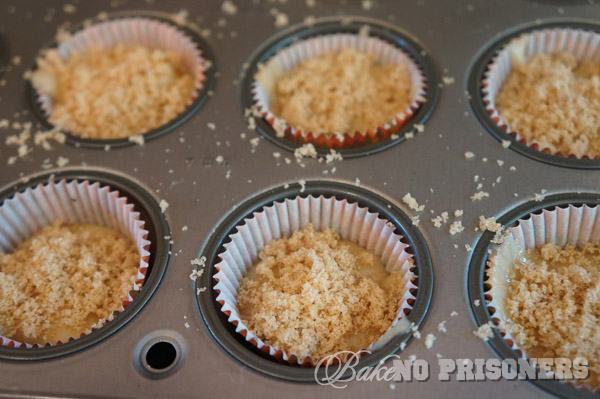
63	281
314	294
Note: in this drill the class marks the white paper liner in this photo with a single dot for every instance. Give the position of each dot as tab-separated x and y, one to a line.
147	32
584	45
291	56
573	225
75	202
280	220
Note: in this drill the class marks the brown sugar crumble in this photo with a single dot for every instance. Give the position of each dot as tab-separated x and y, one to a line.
63	280
314	294
552	299
555	101
342	92
114	93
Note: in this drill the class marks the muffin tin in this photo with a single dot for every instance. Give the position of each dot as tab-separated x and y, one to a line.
206	172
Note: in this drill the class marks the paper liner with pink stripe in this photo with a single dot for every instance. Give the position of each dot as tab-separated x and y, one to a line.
75	202
280	220
560	226
287	59
584	45
143	31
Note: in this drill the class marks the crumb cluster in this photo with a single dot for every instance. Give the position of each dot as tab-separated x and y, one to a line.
552	299
555	101
315	294
64	280
114	93
342	92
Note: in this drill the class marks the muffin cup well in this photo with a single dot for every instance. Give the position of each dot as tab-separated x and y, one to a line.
560	226
290	57
74	202
148	31
280	220
583	44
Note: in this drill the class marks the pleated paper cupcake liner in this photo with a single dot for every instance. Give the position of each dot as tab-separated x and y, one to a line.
573	225
143	31
290	57
584	45
75	202
349	220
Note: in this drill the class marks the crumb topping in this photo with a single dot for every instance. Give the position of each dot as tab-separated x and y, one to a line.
63	280
552	299
114	93
315	294
342	92
555	101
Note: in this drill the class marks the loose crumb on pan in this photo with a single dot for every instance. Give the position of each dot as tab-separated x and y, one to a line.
164	205
552	303
485	331
554	100
314	294
228	7
456	227
479	195
64	280
412	203
114	93
429	339
342	92
442	327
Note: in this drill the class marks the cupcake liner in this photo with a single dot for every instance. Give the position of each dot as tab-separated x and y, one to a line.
288	58
75	202
559	226
584	45
280	220
147	32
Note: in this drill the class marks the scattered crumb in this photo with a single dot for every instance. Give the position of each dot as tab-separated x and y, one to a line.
412	203
228	7
333	156
164	205
485	331
456	227
281	20
442	327
305	151
69	8
429	339
469	155
137	139
479	195
62	161
448	80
